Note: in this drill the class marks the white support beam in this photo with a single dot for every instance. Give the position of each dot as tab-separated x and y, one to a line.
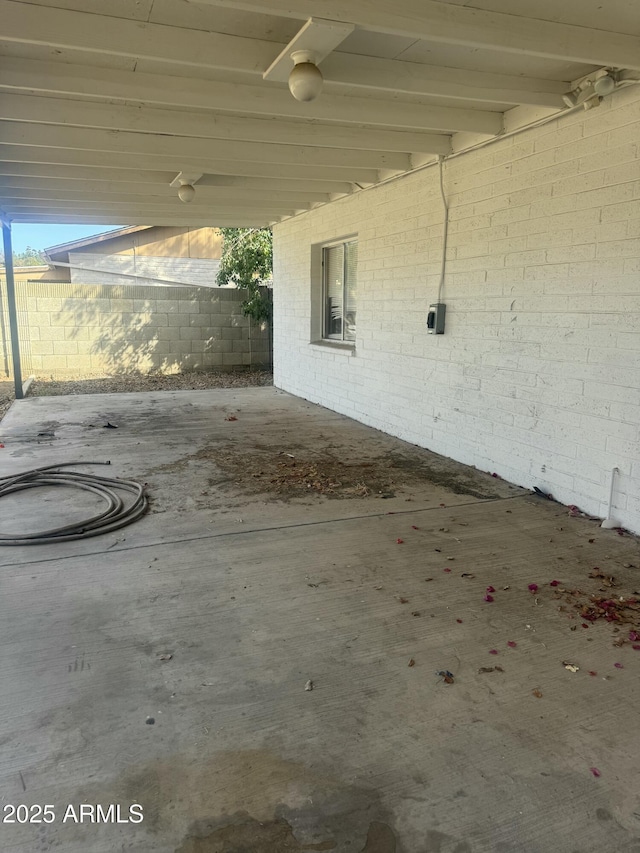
464	25
16	106
259	100
42	176
137	213
241	221
318	36
26	23
233	168
338	69
389	76
13	188
126	142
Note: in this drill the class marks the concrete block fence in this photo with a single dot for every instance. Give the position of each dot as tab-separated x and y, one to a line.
97	330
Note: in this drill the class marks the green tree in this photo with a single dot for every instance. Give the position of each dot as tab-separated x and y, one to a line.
29	258
247	261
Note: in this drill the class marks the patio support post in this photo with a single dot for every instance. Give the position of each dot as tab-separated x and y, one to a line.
13	314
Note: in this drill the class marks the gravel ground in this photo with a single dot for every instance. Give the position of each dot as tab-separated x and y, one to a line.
118	384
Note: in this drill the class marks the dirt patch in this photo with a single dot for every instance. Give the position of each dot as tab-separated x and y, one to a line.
42	387
284	475
6	397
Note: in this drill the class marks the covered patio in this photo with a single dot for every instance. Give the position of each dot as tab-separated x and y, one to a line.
322	637
287	548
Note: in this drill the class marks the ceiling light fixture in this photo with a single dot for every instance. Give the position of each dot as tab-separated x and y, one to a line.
186	193
184	183
305	80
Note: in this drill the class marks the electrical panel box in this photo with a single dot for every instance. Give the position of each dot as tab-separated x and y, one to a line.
435	318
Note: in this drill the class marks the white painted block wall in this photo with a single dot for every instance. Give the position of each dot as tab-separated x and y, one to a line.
538	375
117	269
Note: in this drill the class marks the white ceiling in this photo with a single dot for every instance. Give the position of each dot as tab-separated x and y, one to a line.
104	102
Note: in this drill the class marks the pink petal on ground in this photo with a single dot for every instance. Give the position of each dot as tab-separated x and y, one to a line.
493	651
447	570
533	587
595	772
636	647
488	598
592	672
399	541
460	622
554	583
491	589
413	527
511	644
634	635
618	666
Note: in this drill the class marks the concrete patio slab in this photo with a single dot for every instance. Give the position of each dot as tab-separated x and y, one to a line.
257	572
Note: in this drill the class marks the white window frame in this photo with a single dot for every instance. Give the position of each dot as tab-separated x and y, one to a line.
330	338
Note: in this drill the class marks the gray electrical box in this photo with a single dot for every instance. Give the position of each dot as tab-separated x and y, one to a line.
435	318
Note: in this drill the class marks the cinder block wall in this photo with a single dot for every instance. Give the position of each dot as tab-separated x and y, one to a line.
69	329
538	375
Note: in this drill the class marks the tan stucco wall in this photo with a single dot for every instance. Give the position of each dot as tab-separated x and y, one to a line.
163	242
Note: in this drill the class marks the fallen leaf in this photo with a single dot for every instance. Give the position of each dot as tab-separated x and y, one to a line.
309	685
416	613
426	580
570	666
232	418
537	693
403	600
413	527
411	662
459	621
467	575
592	673
165	657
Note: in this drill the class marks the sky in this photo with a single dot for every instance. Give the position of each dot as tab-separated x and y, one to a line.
43	236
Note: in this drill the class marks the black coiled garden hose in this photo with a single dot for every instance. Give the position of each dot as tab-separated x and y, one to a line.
118	513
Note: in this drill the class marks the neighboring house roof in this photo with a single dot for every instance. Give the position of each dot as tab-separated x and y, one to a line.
61	251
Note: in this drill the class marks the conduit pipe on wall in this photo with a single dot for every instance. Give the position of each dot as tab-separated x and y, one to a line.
445	230
609	523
